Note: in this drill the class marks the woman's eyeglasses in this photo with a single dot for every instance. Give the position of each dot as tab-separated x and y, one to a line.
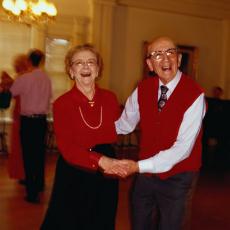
81	63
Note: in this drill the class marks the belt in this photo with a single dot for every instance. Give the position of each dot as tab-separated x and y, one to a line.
34	116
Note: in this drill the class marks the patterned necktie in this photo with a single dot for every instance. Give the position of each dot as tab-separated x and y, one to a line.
163	97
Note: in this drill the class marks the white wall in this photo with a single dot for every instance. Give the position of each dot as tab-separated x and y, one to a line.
133	26
73	7
73	23
131	22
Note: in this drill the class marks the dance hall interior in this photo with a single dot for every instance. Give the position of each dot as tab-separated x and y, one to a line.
121	30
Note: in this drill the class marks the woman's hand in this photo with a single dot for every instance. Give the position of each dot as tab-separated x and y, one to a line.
113	167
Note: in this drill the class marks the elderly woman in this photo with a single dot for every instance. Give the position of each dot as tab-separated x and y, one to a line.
83	197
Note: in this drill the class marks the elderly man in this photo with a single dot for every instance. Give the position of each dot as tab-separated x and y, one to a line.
170	108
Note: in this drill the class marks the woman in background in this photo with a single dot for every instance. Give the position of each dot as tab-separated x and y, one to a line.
83	198
15	165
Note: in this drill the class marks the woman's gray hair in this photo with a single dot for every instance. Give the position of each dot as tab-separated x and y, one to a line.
79	48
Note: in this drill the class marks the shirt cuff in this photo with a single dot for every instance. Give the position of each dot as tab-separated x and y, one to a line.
94	159
146	166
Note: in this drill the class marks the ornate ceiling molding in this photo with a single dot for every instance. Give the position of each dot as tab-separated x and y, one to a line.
214	9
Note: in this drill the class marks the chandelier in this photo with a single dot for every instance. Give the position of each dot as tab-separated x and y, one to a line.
29	12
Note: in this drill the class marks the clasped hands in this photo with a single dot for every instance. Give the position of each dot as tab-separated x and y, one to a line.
121	168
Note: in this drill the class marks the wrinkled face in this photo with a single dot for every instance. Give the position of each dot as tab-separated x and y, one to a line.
164	59
84	68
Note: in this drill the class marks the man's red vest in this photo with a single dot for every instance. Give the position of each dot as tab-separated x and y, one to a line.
159	130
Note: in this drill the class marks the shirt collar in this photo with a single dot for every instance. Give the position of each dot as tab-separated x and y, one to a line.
173	83
79	96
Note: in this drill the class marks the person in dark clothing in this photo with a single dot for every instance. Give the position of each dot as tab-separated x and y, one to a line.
34	91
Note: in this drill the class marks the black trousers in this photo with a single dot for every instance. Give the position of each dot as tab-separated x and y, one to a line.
32	134
162	204
82	200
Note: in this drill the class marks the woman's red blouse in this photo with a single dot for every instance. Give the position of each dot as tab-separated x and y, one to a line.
74	138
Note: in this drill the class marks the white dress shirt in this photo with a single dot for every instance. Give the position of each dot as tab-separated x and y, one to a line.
164	160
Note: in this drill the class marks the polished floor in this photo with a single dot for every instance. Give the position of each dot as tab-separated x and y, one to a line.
211	206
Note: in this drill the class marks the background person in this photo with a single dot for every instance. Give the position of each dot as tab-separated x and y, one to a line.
5	96
216	132
34	90
15	163
82	197
6	81
170	145
5	99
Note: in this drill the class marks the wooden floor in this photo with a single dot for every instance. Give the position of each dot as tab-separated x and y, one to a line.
211	206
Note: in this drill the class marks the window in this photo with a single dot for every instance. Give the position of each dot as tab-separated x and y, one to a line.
56	49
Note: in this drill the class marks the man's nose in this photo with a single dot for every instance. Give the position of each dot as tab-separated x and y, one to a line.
165	56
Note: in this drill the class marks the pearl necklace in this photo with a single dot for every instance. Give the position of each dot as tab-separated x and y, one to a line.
87	124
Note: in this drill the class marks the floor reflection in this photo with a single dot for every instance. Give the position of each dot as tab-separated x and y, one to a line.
210	206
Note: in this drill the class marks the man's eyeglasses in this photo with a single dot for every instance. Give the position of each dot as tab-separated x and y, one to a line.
159	55
81	63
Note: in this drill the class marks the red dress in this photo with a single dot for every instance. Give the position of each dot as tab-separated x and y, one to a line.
82	197
15	164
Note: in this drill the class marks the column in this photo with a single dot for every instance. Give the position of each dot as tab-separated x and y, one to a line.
80	30
102	35
38	37
225	67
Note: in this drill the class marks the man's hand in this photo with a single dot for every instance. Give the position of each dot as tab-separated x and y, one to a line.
131	166
122	168
113	167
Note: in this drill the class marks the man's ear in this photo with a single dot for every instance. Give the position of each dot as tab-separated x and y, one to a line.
179	59
150	65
